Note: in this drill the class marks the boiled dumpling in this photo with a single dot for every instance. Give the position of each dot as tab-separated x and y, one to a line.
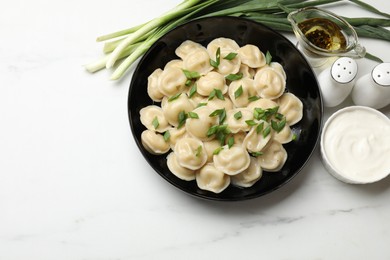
284	136
249	176
198	127
152	117
232	160
154	142
178	170
273	158
172	81
211	179
153	89
291	107
240	91
190	153
252	56
226	66
198	61
279	68
236	119
225	45
173	108
209	82
255	140
269	83
187	47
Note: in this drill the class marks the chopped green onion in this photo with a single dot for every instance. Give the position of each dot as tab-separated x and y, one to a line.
193	115
268	58
278	126
238	92
230	142
256	154
250	122
193	91
201	104
216	93
191	74
166	136
238	115
174	97
182	117
253	98
233	77
216	63
230	56
198	151
259	127
266	131
218	150
155	122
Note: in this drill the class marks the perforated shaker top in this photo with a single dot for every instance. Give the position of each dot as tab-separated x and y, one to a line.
344	70
381	74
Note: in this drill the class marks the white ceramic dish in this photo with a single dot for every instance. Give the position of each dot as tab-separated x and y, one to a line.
355	145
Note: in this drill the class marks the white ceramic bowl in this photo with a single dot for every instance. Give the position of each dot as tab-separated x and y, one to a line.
355	145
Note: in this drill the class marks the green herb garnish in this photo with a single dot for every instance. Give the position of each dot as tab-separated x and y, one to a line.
155	122
233	77
174	97
182	117
216	63
238	92
193	115
166	136
238	115
230	56
268	58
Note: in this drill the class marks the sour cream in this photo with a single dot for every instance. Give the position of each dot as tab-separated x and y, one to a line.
355	145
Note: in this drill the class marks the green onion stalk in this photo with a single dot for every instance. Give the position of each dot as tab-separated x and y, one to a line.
124	47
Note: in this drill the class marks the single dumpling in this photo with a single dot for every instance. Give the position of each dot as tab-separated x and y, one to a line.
291	107
153	89
173	108
249	176
190	153
172	81
228	66
225	45
210	82
237	118
257	138
240	92
273	158
211	179
199	122
232	160
252	56
269	83
154	142
198	61
152	117
178	170
284	136
187	47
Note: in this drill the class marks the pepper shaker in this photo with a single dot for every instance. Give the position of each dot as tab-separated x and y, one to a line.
373	89
337	81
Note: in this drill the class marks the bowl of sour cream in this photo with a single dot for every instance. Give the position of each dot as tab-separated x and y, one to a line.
355	145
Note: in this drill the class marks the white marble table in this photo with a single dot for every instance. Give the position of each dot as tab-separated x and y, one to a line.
73	185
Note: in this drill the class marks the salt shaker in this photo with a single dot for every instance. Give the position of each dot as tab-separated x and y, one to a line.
373	90
337	81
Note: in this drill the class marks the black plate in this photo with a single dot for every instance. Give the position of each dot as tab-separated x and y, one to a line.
301	81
